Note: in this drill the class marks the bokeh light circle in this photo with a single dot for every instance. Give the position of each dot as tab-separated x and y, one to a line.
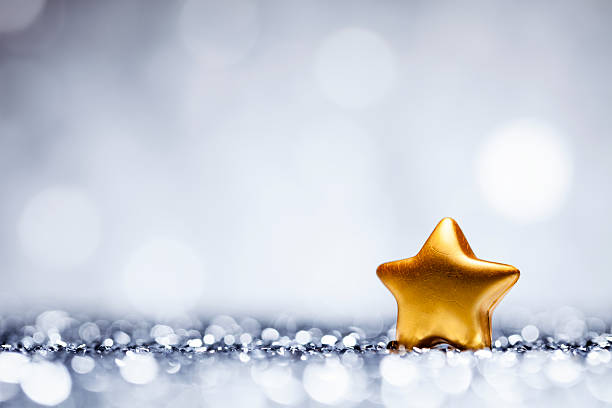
278	383
11	367
222	33
355	68
398	371
419	394
563	371
290	393
163	277
530	333
525	170
599	386
454	379
326	383
16	15
46	383
59	227
139	368
82	364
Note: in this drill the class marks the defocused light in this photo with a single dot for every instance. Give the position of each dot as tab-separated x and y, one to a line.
530	333
214	376
59	228
164	277
49	320
326	383
15	15
46	383
8	391
164	335
271	376
397	370
121	337
454	379
161	330
195	343
11	367
599	386
89	332
82	364
570	330
138	368
352	361
302	337
220	33
598	356
421	394
349	341
290	393
514	338
235	391
499	371
532	365
269	334
355	68
435	359
525	170
329	340
215	332
250	326
563	370
227	323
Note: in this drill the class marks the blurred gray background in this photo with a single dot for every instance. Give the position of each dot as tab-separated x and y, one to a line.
264	157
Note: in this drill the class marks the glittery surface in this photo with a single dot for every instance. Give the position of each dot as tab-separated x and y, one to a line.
59	359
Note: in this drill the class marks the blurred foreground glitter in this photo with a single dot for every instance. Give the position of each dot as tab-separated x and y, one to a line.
75	360
444	293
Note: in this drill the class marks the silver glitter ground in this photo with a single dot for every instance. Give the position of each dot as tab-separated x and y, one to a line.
70	361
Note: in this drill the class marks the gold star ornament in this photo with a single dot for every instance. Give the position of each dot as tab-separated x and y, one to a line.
445	294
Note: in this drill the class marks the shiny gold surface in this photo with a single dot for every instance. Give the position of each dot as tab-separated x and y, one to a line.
445	294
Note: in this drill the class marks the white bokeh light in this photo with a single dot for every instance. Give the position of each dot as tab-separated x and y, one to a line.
398	371
563	370
326	383
454	379
11	367
303	337
291	393
530	333
46	383
164	277
220	34
355	67
525	170
59	227
421	393
599	386
16	15
329	340
82	364
278	383
138	368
